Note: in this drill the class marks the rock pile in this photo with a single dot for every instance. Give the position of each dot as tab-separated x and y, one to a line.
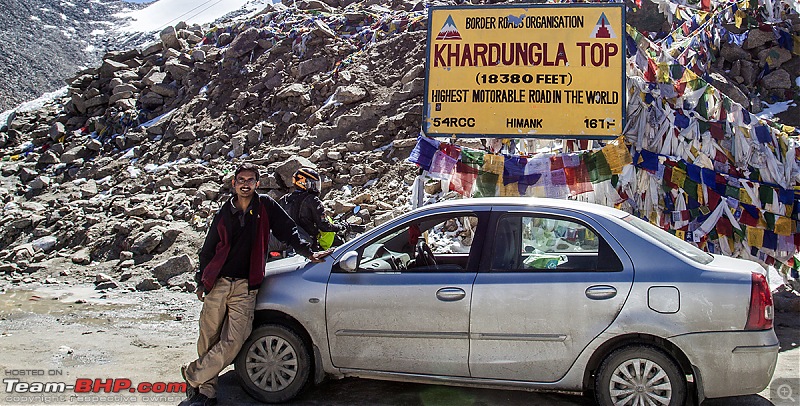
121	176
44	41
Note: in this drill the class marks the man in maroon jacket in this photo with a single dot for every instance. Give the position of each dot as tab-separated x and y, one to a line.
232	263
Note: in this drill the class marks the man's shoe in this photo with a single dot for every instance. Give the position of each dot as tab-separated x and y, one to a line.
191	391
203	400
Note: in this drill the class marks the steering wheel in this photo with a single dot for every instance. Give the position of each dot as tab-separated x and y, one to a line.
424	254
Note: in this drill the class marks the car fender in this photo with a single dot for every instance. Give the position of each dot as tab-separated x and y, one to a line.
300	295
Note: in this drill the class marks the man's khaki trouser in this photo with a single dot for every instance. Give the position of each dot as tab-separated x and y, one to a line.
225	323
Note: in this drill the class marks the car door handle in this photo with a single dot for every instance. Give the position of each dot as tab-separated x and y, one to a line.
600	292
450	294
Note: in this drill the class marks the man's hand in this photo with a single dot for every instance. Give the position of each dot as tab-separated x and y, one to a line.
200	291
319	256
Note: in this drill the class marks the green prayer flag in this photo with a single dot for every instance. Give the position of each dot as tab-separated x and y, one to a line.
765	194
770	219
702	107
599	171
704	126
472	157
690	187
486	184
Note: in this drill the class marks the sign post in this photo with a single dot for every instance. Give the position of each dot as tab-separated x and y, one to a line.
526	71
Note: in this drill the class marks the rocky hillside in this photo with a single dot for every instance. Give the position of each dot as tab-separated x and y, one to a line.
115	182
44	42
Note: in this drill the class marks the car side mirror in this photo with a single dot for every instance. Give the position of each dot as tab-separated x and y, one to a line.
349	261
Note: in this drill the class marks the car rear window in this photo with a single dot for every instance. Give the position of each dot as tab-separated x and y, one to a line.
680	246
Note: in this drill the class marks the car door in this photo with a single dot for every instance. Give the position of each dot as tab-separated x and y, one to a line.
398	313
550	282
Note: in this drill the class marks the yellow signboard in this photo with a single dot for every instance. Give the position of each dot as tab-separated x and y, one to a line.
520	71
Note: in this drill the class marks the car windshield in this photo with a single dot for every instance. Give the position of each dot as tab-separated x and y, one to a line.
682	247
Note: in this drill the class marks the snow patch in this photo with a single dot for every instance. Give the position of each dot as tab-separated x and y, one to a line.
770	110
168	12
38	103
97	32
34	18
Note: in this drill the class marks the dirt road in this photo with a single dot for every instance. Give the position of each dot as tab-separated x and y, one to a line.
58	333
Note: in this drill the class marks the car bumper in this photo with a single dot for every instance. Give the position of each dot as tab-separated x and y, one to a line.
731	363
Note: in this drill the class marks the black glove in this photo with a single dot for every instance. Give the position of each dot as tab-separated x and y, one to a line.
356	228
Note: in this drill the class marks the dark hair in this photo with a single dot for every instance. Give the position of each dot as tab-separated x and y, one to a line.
247	167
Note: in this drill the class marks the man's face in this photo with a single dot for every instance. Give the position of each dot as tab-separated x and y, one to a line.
245	184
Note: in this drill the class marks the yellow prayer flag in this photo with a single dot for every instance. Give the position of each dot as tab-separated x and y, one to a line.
700	198
680	234
510	190
755	237
783	225
617	155
678	176
744	197
796	44
493	164
663	73
739	18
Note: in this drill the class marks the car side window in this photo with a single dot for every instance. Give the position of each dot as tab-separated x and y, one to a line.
439	243
541	243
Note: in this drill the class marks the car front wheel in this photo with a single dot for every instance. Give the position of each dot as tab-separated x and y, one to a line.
639	375
274	364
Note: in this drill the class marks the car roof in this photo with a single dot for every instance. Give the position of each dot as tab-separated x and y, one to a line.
532	202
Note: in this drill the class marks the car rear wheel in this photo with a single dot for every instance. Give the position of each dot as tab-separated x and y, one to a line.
274	364
637	375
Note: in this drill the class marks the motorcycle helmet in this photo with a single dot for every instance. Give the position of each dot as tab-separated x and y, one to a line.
307	179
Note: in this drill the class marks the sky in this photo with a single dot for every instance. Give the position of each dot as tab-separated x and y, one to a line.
162	13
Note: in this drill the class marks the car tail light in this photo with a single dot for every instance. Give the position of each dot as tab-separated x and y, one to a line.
761	312
274	254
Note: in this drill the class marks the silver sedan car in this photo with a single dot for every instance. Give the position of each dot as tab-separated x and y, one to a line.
517	293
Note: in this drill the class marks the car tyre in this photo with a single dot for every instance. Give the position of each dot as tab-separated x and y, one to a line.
274	364
639	372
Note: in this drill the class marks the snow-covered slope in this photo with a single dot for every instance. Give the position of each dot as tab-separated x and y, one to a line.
162	13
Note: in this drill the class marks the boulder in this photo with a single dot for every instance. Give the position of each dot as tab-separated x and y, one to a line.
169	37
293	90
775	57
778	79
82	257
757	38
148	284
147	242
172	267
57	131
177	69
40	182
349	94
311	66
154	77
110	66
73	154
287	169
245	42
165	89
